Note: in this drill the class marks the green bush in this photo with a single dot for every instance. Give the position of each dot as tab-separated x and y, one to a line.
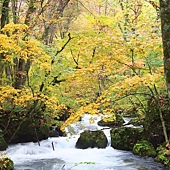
162	155
6	163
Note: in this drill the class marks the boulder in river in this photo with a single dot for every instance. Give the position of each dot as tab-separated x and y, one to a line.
27	131
144	148
125	138
92	139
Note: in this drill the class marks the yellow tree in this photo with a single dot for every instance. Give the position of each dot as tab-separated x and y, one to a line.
41	17
115	58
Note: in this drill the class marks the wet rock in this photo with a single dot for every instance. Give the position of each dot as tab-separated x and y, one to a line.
28	131
125	138
144	148
92	139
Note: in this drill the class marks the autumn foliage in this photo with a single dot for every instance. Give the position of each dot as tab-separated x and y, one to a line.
97	58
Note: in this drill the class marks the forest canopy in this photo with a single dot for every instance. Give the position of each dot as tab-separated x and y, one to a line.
81	56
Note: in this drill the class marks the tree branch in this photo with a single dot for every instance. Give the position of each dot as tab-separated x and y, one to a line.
52	62
132	94
63	47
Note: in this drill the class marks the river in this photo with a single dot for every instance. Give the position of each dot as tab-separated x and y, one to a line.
64	155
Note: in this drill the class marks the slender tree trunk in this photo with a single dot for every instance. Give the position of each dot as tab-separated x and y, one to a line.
157	100
106	7
1	68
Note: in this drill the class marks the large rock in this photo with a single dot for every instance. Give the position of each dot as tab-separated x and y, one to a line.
3	144
91	139
125	138
144	148
27	131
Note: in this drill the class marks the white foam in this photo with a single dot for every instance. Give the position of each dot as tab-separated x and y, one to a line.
43	157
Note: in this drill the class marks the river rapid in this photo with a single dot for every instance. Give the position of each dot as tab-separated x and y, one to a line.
60	154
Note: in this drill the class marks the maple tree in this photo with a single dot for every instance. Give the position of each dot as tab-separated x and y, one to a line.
120	68
39	16
25	66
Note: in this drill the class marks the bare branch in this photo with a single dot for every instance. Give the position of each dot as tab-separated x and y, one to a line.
63	47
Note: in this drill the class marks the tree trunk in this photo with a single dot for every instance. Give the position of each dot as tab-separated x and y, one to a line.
20	75
165	26
30	12
4	12
4	20
14	11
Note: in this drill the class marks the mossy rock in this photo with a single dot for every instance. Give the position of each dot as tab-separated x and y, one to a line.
92	139
3	144
28	131
6	163
144	148
125	138
163	155
118	121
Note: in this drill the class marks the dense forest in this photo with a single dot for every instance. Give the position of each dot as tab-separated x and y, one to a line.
62	59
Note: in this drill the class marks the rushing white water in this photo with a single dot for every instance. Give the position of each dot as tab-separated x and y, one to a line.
31	156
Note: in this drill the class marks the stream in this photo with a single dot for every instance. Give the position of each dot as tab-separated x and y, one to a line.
64	156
